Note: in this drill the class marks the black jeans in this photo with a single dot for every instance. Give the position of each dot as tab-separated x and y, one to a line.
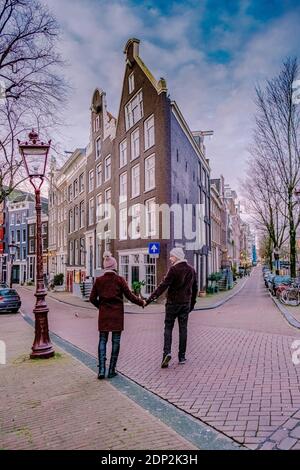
103	337
173	311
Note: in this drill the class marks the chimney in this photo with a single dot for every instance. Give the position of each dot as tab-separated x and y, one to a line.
131	49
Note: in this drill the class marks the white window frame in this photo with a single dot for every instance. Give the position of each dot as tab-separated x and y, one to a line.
135	187
148	185
98	204
81	214
98	173
98	147
107	168
97	123
135	146
135	104
91	212
123	187
123	224
149	133
150	217
135	212
91	181
123	153
107	210
131	83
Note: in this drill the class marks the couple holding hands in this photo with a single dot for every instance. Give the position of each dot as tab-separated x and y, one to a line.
108	296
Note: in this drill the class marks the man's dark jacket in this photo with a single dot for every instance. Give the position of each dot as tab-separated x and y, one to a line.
181	282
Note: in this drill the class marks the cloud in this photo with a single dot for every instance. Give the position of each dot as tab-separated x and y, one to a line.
181	44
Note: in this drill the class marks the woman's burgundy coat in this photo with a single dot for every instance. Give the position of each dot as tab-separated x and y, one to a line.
107	295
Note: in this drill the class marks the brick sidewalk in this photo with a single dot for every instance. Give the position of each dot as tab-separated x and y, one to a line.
59	404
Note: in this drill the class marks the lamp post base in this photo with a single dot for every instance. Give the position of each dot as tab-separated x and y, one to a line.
42	347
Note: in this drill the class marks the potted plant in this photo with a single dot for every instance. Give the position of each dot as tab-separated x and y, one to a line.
58	282
137	286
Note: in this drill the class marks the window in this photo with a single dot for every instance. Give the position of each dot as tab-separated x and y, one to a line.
123	224
91	211
24	235
75	184
81	214
136	221
97	123
150	218
107	241
150	274
135	144
99	175
71	253
82	251
98	207
76	252
24	218
107	203
150	173
98	252
18	218
131	83
12	235
18	236
76	218
44	228
123	187
31	246
12	219
107	168
70	193
31	230
44	244
81	182
149	132
134	110
124	262
71	220
24	252
91	180
123	153
98	148
135	181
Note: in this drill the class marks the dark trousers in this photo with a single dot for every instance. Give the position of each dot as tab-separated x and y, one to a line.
173	311
103	337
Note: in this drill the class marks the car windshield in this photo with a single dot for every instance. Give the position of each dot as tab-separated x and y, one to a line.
5	292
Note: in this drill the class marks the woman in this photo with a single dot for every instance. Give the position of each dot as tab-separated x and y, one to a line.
107	295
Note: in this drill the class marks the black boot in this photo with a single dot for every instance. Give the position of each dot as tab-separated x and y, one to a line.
102	354
116	336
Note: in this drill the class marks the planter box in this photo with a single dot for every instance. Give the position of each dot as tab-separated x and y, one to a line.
59	288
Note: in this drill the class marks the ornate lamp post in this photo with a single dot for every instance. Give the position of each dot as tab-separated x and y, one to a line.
35	154
12	251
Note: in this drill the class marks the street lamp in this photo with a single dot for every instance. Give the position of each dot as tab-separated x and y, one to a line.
34	154
12	251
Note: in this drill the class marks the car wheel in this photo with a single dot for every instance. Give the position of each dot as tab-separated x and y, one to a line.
15	310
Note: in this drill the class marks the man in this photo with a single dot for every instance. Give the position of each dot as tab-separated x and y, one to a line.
181	282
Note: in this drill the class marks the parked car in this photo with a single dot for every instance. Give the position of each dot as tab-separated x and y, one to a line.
9	300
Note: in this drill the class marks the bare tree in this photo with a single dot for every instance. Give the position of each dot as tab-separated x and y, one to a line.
276	149
30	72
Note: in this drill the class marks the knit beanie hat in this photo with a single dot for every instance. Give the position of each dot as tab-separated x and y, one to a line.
178	253
110	263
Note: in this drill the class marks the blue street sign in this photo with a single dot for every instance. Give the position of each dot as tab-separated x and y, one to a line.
154	248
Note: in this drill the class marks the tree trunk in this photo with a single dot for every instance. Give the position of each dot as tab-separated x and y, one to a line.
292	237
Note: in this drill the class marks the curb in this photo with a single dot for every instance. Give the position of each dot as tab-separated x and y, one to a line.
222	302
285	313
209	307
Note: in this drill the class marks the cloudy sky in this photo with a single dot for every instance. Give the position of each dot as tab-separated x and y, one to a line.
211	52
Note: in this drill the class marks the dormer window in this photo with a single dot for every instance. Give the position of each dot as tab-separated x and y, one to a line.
131	83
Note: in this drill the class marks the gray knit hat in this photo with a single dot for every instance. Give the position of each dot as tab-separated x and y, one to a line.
178	253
